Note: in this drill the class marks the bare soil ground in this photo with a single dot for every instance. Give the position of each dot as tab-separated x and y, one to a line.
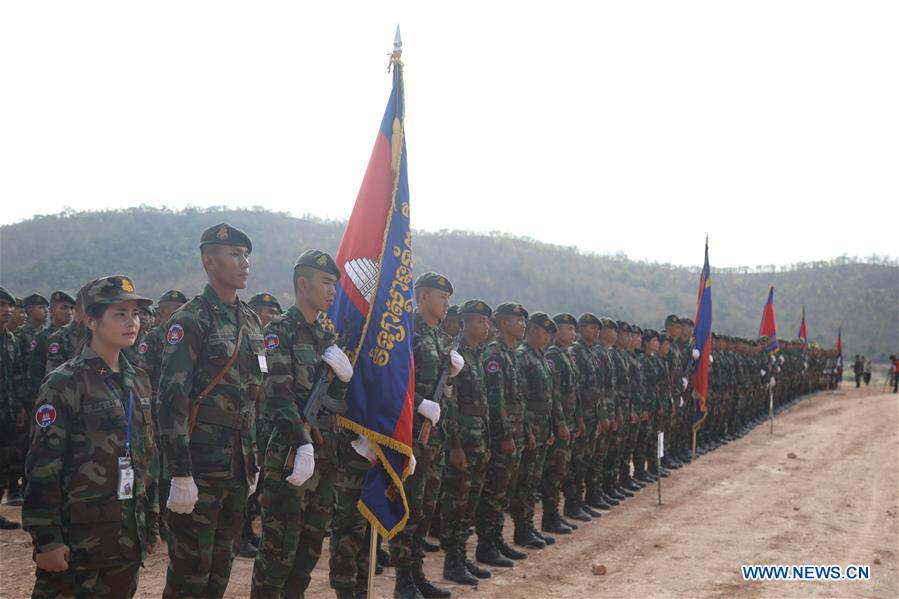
836	502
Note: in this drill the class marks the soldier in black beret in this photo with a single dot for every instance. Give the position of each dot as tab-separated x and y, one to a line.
452	324
226	235
266	306
18	316
433	280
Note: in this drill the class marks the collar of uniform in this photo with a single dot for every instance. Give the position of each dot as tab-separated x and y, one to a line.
96	363
216	302
294	314
421	322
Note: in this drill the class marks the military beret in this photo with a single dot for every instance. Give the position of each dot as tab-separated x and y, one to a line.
61	296
715	335
318	260
663	337
434	280
623	326
564	318
111	290
588	318
476	306
636	329
20	303
510	309
6	295
650	334
35	299
672	319
608	323
542	319
225	234
264	299
687	321
173	295
452	311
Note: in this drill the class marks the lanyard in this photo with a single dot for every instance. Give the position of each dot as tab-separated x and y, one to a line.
128	426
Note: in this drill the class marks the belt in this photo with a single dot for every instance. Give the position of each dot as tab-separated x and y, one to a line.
470	409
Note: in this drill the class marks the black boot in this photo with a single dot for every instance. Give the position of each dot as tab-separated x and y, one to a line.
613	495
593	513
8	524
345	594
454	569
427	588
405	587
524	536
473	568
247	549
428	546
13	495
628	487
383	558
574	511
552	522
487	553
506	549
549	540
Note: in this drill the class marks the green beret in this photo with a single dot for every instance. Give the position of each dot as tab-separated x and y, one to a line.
61	296
35	299
111	290
564	318
510	309
542	319
588	318
452	311
173	295
6	295
623	326
264	299
476	306
225	234
715	335
607	323
318	260
434	280
672	319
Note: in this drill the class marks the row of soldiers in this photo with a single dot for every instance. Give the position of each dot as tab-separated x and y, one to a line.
563	410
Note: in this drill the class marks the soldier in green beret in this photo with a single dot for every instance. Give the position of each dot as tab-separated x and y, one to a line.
88	504
60	312
13	394
210	385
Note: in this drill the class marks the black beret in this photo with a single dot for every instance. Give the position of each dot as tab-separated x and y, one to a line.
672	319
6	295
588	318
715	335
452	311
476	306
264	299
687	321
663	337
433	280
636	329
623	326
510	309
225	234
564	318
173	295
542	319
20	303
35	299
650	334
608	323
61	296
318	260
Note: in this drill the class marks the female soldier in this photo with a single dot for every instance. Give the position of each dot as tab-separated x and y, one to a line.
87	507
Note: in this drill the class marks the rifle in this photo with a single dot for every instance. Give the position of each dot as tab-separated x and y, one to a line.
425	433
318	398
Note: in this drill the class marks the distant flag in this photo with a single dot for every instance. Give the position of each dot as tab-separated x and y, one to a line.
802	334
374	304
702	344
840	347
768	327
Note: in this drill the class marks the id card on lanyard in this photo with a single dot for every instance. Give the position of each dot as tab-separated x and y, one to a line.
125	487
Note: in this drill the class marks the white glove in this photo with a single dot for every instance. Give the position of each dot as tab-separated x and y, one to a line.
412	464
363	447
780	359
684	382
339	363
457	362
681	404
303	465
762	372
430	410
711	359
252	488
772	382
183	495
695	354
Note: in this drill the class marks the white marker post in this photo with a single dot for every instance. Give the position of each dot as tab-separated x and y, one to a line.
661	453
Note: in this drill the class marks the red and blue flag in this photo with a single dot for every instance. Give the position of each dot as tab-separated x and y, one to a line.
803	336
768	328
702	344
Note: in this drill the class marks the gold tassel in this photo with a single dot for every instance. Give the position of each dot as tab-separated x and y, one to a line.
396	144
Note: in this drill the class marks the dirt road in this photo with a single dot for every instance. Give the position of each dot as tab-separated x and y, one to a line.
835	502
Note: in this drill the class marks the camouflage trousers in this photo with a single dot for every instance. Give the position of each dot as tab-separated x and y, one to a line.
629	441
202	543
113	582
554	471
461	494
614	447
641	446
350	531
580	463
596	470
294	521
530	472
421	489
499	480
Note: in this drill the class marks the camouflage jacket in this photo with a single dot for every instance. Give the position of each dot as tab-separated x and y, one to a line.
606	372
567	407
586	362
36	364
79	434
466	419
63	344
12	379
508	417
622	381
294	347
635	382
27	338
536	389
220	451
430	352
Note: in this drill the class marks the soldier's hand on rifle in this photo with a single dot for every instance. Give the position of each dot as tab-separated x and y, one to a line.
508	445
430	410
303	465
183	495
339	363
563	432
457	458
457	363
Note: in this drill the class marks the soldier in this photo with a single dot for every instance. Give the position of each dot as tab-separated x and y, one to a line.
62	306
568	417
266	306
12	399
467	429
452	324
209	386
299	471
508	433
64	343
537	391
431	352
87	506
19	316
613	492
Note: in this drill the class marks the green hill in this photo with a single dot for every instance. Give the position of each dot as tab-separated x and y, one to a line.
159	249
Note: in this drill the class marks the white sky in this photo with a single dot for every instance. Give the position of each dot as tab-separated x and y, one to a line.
771	125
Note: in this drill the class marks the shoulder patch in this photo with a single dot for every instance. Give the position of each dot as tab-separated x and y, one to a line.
143	347
175	334
53	348
45	415
272	341
33	345
551	363
493	366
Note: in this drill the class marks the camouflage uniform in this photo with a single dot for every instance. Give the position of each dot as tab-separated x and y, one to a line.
63	345
294	518
606	409
13	414
567	410
36	364
583	448
220	451
619	442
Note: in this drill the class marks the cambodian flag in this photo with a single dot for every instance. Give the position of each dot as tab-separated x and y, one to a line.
803	336
373	309
768	328
702	343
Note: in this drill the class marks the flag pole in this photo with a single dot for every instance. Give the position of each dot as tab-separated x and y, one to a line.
771	407
372	560
694	444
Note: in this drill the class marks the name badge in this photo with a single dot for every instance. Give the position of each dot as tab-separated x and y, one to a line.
126	479
263	364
